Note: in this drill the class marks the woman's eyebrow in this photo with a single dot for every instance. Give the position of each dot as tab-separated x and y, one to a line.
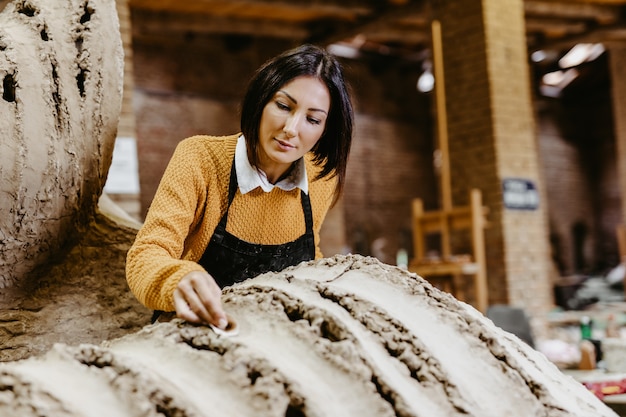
296	101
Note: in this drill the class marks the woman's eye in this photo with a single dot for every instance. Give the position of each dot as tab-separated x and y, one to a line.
282	106
314	121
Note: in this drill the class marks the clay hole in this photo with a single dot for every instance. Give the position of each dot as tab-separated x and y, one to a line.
79	44
163	410
55	93
27	10
44	35
294	411
385	394
329	331
80	81
86	17
8	87
253	375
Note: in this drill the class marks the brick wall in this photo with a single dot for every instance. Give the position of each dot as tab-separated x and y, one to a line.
617	61
578	148
565	184
126	126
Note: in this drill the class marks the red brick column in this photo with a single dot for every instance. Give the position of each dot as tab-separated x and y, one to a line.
617	63
126	125
127	118
492	137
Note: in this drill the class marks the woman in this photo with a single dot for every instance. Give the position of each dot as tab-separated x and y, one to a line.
230	208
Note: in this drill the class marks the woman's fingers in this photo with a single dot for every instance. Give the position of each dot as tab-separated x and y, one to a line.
182	308
198	299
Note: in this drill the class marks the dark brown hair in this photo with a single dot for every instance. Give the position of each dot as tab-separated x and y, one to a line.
332	150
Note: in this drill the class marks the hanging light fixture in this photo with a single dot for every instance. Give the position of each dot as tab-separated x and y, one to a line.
426	81
580	53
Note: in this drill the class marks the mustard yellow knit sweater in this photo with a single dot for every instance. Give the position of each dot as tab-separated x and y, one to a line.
188	204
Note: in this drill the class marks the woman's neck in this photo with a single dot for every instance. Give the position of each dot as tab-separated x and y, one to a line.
278	174
273	171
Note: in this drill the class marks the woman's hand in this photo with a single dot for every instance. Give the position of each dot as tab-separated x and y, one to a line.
197	299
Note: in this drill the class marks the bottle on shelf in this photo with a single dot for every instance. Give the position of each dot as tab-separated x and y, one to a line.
586	327
612	327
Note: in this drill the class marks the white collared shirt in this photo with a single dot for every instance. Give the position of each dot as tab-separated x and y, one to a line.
250	178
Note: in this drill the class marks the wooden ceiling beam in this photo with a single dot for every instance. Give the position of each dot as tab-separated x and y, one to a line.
399	21
569	3
555	29
399	37
388	20
615	34
276	11
149	24
601	14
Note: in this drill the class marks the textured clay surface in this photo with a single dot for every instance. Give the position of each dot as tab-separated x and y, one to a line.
61	77
61	261
344	336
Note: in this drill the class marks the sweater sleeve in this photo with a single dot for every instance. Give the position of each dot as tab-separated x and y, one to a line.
322	192
326	201
154	265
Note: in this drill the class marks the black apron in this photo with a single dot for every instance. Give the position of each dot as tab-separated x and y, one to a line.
230	260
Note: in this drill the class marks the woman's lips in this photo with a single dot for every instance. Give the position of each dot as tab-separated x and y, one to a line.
284	145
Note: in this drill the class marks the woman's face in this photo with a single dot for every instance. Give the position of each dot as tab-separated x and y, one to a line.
291	124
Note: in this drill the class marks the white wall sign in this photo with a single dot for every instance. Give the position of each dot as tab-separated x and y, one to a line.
520	194
123	174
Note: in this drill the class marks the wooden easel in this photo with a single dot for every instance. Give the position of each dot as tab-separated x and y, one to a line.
447	265
449	219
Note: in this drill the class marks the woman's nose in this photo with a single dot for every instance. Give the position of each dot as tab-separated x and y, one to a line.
291	126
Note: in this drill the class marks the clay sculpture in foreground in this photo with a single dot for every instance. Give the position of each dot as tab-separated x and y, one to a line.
344	336
61	72
61	258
